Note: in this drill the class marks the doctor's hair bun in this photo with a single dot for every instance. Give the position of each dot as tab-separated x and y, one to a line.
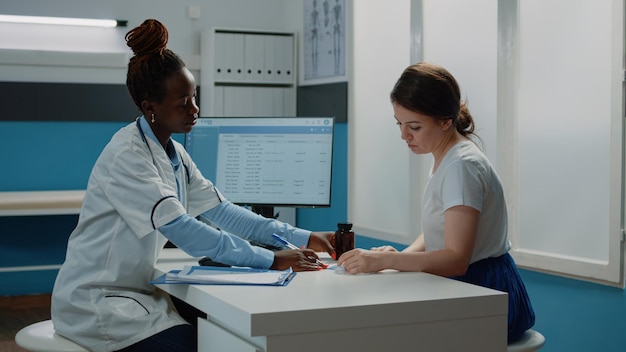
149	38
152	63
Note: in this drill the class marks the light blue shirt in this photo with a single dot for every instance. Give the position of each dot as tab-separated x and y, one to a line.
170	151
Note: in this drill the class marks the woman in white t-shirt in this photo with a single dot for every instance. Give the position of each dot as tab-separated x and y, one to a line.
464	212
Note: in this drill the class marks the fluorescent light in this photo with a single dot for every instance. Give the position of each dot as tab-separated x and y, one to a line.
63	21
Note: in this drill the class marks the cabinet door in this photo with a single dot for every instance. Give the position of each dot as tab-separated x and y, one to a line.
218	101
214	338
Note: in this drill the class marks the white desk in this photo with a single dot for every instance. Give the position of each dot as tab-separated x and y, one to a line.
328	311
34	203
41	202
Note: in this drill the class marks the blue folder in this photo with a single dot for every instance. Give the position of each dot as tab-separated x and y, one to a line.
210	275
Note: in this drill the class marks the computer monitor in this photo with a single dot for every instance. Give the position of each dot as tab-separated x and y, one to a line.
266	161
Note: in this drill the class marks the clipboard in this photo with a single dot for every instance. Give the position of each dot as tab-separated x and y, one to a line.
209	275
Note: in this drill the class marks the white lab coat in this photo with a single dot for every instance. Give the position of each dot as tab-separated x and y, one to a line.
102	298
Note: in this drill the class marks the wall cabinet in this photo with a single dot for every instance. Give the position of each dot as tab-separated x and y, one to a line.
247	73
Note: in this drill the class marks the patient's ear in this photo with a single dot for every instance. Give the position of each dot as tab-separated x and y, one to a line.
445	124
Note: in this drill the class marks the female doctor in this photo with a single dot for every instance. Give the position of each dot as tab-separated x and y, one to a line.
143	191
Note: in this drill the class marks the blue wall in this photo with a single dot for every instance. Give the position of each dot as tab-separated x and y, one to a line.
51	155
573	315
576	315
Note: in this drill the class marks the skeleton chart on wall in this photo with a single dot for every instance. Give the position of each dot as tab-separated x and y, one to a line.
324	38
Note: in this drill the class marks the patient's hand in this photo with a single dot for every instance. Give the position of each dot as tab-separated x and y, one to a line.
383	249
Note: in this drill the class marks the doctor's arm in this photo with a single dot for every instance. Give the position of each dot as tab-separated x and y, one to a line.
240	221
199	239
251	226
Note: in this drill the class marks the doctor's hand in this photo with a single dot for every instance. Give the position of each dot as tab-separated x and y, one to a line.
298	260
362	261
322	242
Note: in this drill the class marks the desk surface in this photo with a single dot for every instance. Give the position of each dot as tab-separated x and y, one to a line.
328	300
41	202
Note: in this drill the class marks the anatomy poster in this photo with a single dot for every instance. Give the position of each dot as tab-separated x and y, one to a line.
324	38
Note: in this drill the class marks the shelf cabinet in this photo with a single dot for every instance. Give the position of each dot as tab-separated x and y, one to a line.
248	73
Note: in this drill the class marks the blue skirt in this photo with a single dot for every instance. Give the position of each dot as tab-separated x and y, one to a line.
501	274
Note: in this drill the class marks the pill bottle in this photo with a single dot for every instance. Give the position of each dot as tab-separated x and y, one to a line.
344	238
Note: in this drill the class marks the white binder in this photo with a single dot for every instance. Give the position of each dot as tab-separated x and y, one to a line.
270	58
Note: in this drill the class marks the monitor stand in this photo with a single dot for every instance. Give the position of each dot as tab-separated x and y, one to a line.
265	211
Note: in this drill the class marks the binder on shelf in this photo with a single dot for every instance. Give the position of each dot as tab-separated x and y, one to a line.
210	275
254	56
222	45
269	58
237	57
284	61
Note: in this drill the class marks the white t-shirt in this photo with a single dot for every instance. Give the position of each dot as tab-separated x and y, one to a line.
466	177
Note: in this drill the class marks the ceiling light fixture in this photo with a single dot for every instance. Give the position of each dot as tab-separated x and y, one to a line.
63	21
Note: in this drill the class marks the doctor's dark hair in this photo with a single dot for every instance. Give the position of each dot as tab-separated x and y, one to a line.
152	63
431	90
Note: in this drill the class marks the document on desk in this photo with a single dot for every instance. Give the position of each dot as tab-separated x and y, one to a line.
210	275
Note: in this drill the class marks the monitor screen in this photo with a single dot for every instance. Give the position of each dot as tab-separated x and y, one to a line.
266	161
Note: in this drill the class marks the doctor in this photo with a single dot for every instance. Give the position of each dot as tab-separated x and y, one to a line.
143	191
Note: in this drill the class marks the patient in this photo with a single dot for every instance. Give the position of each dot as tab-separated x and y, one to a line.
464	212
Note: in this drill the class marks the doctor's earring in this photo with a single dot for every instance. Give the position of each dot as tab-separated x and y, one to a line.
152	118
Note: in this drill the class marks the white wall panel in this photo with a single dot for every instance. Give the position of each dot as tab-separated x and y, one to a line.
569	137
379	203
